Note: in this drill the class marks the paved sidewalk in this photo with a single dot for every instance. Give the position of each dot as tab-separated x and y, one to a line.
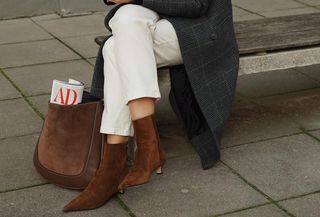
270	151
257	9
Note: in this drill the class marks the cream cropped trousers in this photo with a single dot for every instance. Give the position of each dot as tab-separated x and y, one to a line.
141	43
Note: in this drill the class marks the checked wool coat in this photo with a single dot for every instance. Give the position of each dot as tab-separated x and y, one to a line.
203	87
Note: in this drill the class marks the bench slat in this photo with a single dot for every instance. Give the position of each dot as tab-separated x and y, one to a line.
278	33
273	34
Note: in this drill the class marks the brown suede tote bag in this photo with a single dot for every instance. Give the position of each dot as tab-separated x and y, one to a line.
68	150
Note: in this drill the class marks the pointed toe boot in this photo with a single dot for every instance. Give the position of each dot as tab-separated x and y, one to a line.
104	184
149	156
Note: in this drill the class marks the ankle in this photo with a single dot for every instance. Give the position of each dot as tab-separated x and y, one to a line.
116	139
140	116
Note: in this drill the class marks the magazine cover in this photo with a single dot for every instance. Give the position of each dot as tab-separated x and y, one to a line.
66	93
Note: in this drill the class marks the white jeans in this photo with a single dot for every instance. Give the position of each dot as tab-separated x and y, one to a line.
141	43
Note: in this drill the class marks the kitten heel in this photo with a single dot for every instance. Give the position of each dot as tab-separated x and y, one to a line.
159	171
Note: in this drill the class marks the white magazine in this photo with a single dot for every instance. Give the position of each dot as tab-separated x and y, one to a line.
66	93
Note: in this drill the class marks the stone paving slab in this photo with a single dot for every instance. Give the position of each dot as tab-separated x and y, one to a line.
41	76
249	123
186	190
84	45
14	8
274	82
238	11
40	103
48	200
282	168
92	61
70	7
13	55
310	2
16	163
312	71
21	30
316	133
246	17
45	17
302	107
174	140
307	206
267	5
18	118
75	26
7	90
262	211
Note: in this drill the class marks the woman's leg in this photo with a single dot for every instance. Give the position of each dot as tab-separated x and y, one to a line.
143	43
167	52
126	51
139	51
116	119
132	27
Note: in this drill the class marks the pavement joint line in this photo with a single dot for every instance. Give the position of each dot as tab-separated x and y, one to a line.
36	16
78	14
62	42
306	4
79	36
85	35
263	140
308	76
251	12
242	209
12	137
30	16
313	130
281	200
19	17
309	134
125	207
23	188
25	42
283	93
258	190
299	196
34	108
40	94
39	64
23	95
8	99
92	64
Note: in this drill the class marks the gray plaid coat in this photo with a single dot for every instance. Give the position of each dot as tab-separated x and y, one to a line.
203	87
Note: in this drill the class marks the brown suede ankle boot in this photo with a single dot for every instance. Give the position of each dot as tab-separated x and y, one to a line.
104	184
150	155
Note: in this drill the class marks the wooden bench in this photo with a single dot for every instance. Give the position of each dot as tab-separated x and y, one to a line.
276	43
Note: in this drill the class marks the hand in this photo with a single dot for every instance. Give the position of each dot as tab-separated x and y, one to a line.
119	1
